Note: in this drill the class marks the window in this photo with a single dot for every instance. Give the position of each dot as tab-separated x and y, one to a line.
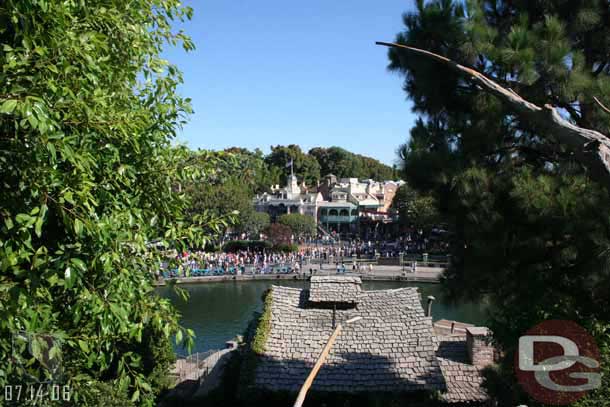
333	212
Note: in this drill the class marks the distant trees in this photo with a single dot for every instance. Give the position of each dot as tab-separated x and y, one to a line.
415	208
252	168
318	162
229	188
234	176
345	164
254	223
306	167
302	226
220	199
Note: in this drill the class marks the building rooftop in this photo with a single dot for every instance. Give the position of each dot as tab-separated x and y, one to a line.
391	348
334	290
463	380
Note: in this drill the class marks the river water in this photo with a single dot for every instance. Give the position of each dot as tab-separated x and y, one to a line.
219	311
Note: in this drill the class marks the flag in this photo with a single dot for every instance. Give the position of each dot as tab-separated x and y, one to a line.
289	163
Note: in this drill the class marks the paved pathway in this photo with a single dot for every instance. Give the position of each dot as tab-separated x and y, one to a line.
379	273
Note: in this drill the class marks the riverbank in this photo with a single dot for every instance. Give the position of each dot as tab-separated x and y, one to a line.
379	273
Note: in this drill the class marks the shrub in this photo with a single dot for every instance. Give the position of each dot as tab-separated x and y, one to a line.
237	245
286	248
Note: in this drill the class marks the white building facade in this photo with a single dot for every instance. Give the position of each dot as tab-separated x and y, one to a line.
337	206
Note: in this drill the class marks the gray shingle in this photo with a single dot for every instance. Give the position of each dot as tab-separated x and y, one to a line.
462	378
392	348
329	289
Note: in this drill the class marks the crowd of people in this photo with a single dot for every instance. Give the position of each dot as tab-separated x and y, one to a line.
411	243
204	263
354	255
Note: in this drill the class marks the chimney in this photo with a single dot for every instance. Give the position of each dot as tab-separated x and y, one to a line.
478	343
429	307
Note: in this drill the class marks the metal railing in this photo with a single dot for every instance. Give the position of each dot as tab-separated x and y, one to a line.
196	366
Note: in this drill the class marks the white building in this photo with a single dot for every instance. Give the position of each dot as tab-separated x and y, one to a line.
335	205
290	199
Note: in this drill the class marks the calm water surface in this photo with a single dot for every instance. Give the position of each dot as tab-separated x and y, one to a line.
219	311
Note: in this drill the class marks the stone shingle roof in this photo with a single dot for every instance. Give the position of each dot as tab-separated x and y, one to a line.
390	349
462	378
329	289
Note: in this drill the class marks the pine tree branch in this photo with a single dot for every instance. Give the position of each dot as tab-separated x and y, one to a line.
590	148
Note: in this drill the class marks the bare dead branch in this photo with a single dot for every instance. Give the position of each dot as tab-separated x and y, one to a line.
601	104
590	148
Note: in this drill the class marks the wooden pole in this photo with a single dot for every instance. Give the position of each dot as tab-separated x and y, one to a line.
321	359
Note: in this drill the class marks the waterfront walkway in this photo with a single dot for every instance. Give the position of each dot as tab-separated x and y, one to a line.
198	374
379	273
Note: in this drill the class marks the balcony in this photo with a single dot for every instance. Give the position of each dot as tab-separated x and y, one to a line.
338	219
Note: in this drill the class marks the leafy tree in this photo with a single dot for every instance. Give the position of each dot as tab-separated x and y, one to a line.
415	209
278	234
253	170
88	109
306	167
219	199
300	225
254	223
528	218
344	164
229	188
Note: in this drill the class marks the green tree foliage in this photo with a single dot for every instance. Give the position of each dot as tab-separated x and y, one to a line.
233	246
344	164
415	209
301	225
217	199
254	223
229	187
88	109
306	167
254	170
531	229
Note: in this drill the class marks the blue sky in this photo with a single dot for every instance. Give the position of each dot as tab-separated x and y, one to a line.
273	72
